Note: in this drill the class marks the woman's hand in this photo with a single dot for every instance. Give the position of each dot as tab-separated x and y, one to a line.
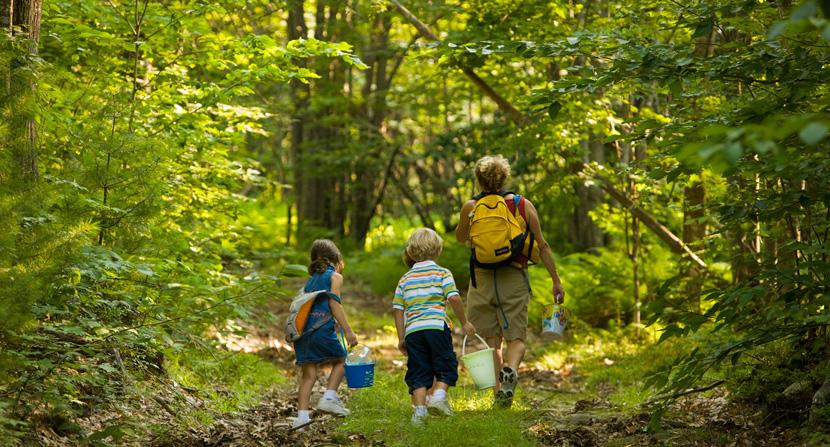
558	293
468	328
351	338
402	347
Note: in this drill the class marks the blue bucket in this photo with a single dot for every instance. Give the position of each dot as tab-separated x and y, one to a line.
360	375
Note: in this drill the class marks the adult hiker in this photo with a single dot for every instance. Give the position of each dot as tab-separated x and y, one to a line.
504	233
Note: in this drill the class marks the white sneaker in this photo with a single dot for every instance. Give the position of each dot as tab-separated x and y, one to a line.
333	406
419	420
440	406
300	424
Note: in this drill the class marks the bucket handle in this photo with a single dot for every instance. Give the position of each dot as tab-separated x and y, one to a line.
355	346
464	343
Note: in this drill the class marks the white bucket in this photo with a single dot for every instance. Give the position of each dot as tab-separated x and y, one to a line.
553	325
480	364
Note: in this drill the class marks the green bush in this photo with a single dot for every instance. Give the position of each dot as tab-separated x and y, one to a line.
381	265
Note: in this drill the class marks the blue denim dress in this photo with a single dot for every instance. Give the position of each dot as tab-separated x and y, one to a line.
319	345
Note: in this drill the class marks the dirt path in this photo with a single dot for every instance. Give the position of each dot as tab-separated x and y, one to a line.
553	407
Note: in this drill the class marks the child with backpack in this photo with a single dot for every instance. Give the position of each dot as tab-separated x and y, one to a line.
317	344
424	335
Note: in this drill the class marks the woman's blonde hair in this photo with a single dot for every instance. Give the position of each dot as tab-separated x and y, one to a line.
423	245
492	173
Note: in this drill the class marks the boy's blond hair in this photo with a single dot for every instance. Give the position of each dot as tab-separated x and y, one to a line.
423	245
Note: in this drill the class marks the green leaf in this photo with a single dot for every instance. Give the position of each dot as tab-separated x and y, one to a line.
107	367
805	11
812	133
703	28
294	270
553	109
776	30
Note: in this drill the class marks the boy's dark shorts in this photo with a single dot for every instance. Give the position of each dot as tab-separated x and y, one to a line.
430	356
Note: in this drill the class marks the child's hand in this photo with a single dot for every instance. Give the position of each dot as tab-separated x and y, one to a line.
402	347
351	338
468	329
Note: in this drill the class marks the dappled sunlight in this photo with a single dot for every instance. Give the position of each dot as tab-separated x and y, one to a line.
171	170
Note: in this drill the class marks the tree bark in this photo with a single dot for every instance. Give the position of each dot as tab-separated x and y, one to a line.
21	19
694	196
375	109
584	233
299	93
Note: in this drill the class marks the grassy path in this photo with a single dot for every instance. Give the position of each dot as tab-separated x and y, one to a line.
554	404
584	391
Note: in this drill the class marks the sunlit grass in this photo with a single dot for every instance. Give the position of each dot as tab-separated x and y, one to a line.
231	381
611	361
384	411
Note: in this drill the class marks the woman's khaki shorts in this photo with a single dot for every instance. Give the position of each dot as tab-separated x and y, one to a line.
498	305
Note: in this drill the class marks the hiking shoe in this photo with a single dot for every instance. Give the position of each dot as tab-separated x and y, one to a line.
508	379
419	419
440	407
333	406
300	424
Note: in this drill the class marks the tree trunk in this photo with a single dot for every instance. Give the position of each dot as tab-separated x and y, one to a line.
694	197
583	232
299	93
375	109
21	20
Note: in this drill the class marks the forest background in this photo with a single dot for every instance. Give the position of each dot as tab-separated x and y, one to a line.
165	165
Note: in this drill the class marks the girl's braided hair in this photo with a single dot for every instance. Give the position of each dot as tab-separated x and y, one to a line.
323	254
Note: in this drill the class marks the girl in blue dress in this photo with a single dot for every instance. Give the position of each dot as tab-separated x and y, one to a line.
320	347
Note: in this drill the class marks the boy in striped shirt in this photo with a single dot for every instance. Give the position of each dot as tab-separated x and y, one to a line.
423	326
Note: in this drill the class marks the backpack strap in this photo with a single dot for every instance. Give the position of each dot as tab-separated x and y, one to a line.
318	324
523	208
472	271
483	194
324	319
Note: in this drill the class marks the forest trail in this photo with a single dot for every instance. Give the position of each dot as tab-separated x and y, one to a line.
552	408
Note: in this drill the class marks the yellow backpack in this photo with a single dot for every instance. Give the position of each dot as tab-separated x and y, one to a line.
498	236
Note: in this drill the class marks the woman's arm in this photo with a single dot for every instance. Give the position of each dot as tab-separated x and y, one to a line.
544	251
462	231
337	309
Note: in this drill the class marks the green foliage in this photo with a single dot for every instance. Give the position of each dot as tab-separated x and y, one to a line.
176	140
382	265
131	247
741	98
231	380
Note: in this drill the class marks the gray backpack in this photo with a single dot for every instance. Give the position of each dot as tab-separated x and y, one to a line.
298	315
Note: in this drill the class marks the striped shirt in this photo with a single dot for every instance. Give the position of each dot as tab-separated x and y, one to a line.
422	294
